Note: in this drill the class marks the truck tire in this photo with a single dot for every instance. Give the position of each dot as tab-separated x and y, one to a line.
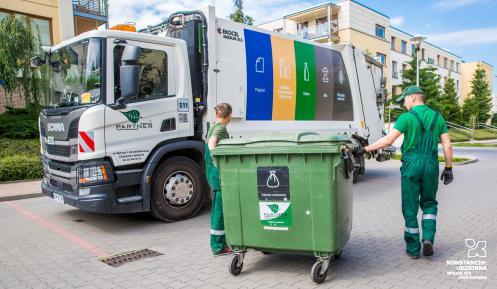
178	189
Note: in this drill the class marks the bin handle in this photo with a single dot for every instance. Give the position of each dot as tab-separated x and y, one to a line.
346	155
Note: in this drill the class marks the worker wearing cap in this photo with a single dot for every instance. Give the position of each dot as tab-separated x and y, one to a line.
422	128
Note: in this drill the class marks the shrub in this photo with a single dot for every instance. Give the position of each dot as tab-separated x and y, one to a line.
20	167
18	125
19	160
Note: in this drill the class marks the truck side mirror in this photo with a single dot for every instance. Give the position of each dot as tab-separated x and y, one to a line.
128	71
35	62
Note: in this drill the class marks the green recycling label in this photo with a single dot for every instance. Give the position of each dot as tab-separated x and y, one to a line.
275	215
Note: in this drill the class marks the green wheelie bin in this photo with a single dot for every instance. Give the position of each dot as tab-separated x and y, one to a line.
289	193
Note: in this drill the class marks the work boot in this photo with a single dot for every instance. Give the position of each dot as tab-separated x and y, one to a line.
427	248
412	256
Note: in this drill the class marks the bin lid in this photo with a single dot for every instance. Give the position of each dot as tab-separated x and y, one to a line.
283	142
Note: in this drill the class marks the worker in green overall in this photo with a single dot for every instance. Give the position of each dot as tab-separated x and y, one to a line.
422	128
216	133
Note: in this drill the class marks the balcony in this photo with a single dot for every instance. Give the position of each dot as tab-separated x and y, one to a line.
319	23
89	15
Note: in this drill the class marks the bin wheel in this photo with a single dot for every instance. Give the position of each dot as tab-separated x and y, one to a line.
235	269
316	274
338	256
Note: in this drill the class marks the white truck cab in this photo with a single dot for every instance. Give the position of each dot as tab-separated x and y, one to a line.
124	126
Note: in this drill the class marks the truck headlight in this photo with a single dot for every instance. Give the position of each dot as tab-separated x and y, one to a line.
94	173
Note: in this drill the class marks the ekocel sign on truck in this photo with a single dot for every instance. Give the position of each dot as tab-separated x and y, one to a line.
125	123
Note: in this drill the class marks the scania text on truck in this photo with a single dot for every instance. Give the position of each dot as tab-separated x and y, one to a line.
124	125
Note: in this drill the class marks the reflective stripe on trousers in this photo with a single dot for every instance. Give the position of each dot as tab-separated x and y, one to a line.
217	232
412	230
429	217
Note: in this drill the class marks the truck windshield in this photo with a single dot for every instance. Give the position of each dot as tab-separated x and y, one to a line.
76	74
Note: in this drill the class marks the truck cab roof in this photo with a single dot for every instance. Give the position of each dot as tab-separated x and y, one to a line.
133	36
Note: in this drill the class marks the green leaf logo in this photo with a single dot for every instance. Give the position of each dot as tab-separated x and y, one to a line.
132	115
274	208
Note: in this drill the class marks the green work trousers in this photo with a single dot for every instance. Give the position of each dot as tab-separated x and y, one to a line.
419	189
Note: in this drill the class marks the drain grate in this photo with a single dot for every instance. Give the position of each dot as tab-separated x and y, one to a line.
121	259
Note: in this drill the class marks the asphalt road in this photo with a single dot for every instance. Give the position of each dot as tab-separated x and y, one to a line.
47	245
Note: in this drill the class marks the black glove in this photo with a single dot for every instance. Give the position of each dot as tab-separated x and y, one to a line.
447	176
358	152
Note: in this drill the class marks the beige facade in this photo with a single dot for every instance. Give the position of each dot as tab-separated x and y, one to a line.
468	71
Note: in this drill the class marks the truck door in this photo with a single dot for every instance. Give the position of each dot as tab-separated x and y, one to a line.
154	115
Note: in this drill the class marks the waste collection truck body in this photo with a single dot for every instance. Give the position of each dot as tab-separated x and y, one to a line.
127	114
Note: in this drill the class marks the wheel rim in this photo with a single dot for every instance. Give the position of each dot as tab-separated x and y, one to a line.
179	189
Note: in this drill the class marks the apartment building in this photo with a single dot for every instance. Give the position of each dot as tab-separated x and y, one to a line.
54	21
468	71
58	20
349	21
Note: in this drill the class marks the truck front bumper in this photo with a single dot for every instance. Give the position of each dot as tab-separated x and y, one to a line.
100	199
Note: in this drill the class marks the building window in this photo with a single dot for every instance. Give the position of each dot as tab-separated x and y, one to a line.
40	27
381	57
423	53
431	60
322	27
452	65
394	70
404	68
413	50
457	67
457	85
303	29
445	62
380	31
403	47
392	43
438	60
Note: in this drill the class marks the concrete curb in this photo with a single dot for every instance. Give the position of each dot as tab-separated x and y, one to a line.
20	197
472	159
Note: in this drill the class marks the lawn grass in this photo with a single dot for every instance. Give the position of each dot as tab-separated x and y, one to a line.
468	144
441	159
480	134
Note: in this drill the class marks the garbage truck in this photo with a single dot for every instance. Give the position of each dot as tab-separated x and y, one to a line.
124	125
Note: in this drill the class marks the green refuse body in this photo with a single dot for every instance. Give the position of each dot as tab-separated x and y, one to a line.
287	193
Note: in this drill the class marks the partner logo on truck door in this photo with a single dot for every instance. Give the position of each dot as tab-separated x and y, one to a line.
229	34
134	117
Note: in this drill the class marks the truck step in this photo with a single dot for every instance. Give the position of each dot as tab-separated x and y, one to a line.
131	199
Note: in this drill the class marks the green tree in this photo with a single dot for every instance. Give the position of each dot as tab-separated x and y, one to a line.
428	81
448	104
16	49
239	16
479	102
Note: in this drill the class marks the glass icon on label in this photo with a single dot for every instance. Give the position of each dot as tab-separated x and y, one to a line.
259	65
306	72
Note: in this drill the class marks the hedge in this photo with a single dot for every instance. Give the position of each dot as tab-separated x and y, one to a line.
19	160
18	125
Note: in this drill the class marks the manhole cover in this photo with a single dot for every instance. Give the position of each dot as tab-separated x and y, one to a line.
121	259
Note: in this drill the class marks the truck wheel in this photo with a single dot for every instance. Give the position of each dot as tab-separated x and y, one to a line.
178	189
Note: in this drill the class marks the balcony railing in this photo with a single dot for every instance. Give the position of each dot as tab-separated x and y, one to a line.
97	7
321	30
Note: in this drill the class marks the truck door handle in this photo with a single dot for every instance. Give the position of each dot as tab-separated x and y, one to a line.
168	124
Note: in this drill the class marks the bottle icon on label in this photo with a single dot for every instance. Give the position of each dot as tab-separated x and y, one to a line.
272	181
259	65
306	72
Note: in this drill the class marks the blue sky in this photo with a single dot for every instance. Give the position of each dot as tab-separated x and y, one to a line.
467	28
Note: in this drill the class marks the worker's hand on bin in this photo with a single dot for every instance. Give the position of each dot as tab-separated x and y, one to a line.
358	152
447	176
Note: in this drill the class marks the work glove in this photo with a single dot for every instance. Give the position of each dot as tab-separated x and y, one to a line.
358	152
447	176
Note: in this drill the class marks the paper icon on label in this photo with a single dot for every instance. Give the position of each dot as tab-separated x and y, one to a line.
259	65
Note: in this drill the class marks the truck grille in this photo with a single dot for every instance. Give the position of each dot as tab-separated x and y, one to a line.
60	185
58	150
42	130
73	129
58	166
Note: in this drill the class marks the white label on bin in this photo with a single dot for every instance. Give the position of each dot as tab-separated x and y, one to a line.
275	215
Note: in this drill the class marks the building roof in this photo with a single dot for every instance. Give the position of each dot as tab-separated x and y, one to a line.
369	8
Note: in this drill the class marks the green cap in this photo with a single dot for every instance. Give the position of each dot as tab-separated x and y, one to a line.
413	89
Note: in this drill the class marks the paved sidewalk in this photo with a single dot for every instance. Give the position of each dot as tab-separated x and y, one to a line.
20	190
